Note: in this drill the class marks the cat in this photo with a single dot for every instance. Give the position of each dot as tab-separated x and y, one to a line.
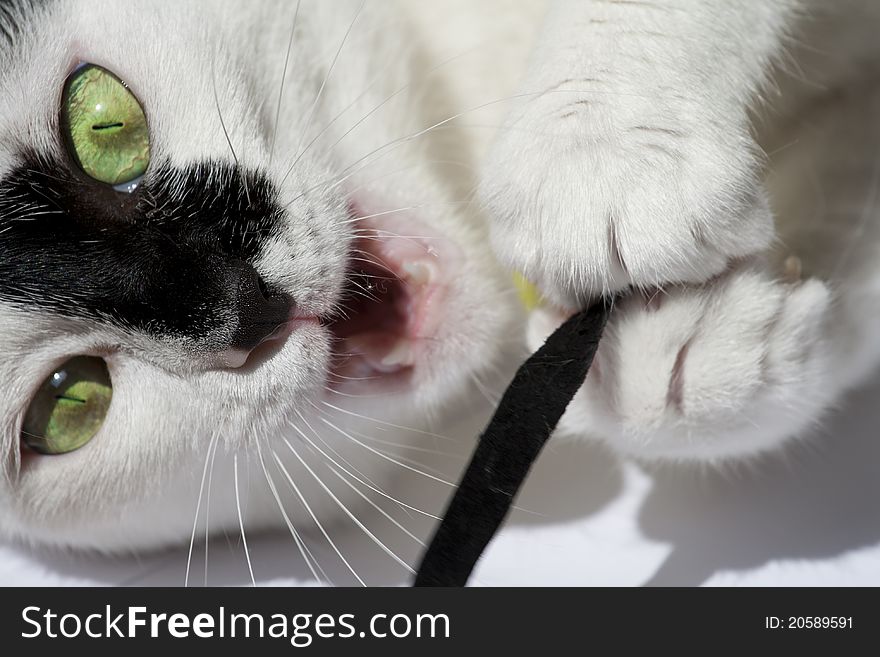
300	233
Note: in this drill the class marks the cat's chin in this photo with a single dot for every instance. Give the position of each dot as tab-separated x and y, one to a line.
390	320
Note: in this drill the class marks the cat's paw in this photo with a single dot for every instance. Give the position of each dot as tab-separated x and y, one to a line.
588	196
727	369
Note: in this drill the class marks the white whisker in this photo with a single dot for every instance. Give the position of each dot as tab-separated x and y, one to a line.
414	448
355	220
318	437
353	518
247	554
350	169
192	539
312	513
387	424
226	134
365	160
375	489
311	114
488	395
360	121
283	78
349	395
385	456
300	544
377	507
208	506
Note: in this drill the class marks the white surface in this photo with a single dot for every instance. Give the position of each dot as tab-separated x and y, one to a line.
810	518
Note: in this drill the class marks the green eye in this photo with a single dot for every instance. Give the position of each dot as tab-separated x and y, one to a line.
69	407
104	126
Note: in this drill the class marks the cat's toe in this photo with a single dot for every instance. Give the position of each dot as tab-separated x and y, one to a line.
723	370
594	203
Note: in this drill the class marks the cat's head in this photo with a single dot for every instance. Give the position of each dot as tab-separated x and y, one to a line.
191	257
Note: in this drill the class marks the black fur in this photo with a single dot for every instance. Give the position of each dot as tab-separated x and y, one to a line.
174	258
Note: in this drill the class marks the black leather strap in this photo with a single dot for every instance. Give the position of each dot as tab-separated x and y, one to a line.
527	415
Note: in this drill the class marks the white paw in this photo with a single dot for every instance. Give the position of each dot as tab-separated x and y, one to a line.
726	369
589	196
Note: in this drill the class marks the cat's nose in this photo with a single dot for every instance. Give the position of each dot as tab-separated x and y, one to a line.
261	309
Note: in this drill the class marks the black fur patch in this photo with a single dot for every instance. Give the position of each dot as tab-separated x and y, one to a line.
174	258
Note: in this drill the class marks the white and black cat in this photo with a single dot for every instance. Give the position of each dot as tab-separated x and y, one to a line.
238	238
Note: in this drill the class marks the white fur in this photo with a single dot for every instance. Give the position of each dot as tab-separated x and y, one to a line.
648	174
136	484
625	154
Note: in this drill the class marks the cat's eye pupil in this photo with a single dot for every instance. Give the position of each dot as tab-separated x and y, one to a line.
69	408
105	128
73	399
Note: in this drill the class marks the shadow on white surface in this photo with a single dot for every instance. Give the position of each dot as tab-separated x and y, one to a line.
818	501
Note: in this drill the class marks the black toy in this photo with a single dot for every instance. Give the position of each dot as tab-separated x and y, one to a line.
528	413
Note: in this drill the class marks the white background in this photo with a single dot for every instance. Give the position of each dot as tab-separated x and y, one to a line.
810	517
